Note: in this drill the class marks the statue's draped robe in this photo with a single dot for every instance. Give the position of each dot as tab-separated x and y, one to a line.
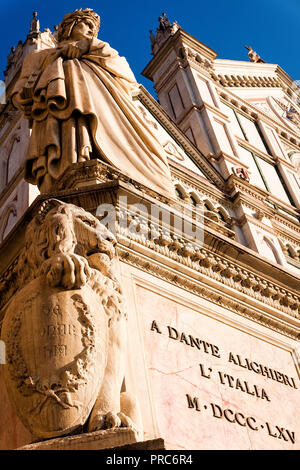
85	105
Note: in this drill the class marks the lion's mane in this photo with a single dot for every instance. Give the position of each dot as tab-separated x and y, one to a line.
62	231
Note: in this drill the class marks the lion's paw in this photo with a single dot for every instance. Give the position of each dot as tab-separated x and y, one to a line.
67	270
111	420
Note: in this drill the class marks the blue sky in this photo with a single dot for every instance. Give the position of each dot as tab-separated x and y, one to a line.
271	27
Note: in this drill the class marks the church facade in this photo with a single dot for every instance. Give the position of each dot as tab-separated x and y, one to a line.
210	277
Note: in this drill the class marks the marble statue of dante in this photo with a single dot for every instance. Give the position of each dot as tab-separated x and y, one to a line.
79	98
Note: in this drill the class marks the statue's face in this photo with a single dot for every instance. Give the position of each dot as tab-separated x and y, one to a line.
83	30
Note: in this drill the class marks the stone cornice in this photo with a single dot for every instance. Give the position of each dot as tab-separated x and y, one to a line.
242	198
286	142
197	63
211	266
246	65
264	74
236	73
239	306
88	173
284	77
234	182
277	219
286	236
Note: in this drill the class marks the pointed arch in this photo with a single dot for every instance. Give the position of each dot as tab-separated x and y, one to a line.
7	217
15	138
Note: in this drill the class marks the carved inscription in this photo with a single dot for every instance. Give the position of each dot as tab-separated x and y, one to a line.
52	311
235	382
57	350
221	377
261	369
241	419
214	350
59	329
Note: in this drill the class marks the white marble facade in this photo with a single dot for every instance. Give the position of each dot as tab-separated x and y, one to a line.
244	117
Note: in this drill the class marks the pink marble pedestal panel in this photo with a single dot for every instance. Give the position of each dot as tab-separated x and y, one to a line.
215	386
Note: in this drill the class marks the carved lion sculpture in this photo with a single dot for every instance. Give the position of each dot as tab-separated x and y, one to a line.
69	251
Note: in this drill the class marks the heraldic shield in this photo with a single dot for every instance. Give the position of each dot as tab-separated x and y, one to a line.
56	342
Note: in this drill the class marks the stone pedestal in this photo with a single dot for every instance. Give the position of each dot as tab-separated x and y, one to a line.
98	440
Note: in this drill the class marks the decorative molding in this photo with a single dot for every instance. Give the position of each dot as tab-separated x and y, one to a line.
287	238
214	266
191	57
96	171
246	81
200	186
194	286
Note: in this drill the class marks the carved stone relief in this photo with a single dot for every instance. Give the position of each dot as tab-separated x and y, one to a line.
65	329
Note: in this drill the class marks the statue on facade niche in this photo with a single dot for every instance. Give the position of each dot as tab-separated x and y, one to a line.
65	329
78	96
163	32
164	22
253	56
34	23
152	38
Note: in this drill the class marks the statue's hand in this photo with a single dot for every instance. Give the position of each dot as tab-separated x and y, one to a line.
75	50
67	270
71	51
